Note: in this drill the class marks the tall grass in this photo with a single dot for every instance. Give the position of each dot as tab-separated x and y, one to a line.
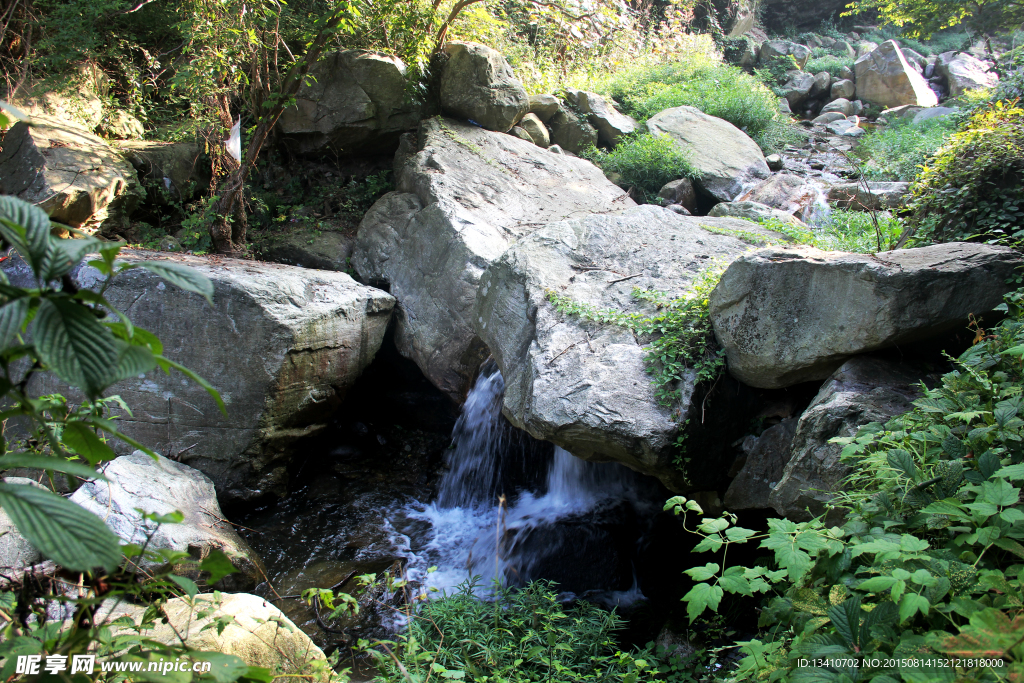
845	230
899	150
831	63
644	162
703	82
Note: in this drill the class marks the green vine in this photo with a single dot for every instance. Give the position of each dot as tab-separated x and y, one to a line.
683	339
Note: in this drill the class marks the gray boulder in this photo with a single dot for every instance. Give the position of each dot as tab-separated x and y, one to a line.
544	106
799	197
356	100
764	460
865	47
463	194
521	133
729	162
869	196
162	486
282	345
964	72
15	550
323	250
603	116
571	132
797	89
863	390
792	315
751	211
536	129
846	73
845	128
828	117
169	171
120	125
840	106
844	47
72	174
884	77
782	48
843	89
581	385
680	192
822	82
478	85
933	113
906	111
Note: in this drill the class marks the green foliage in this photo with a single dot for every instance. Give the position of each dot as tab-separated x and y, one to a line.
831	63
900	150
644	162
705	83
929	564
774	72
523	635
80	337
683	343
974	186
922	18
845	230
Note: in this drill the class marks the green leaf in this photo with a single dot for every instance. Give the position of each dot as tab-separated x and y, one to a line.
81	438
1011	472
902	461
132	361
64	532
12	316
166	363
187	278
258	674
912	544
26	227
846	619
41	462
74	344
735	583
218	564
701	597
187	585
1000	492
709	544
224	668
712	526
911	604
702	573
738	534
876	584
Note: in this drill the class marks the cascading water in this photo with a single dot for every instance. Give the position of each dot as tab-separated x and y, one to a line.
496	518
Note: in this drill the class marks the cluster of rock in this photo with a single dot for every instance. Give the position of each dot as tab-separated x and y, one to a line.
885	75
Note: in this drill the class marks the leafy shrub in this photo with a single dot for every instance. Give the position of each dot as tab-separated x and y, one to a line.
644	162
831	63
523	635
927	567
974	187
845	230
716	89
899	151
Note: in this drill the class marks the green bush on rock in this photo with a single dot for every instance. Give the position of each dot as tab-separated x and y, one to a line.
929	564
973	189
644	162
900	150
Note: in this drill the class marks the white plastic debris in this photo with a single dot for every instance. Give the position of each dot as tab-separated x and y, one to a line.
234	141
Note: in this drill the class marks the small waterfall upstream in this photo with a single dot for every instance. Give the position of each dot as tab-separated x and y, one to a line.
515	509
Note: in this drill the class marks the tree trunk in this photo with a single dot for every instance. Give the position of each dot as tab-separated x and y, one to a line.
229	238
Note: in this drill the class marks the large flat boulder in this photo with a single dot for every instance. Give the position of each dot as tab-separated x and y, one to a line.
885	77
478	85
730	163
463	195
138	482
584	385
862	390
356	99
281	344
791	315
251	628
964	72
71	173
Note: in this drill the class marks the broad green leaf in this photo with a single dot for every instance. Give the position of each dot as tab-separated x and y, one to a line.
74	344
81	438
224	668
187	585
702	596
1011	472
218	565
709	544
846	619
902	461
1000	492
876	584
62	531
1011	546
876	546
187	278
911	604
132	361
712	526
702	573
41	462
12	316
257	674
738	534
735	583
26	227
912	544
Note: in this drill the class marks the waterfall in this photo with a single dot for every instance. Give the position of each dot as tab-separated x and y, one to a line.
512	508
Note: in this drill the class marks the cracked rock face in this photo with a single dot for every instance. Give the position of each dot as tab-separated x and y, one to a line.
356	99
792	315
582	385
464	194
281	344
70	173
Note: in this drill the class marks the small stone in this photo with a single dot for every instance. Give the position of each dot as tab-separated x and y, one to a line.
774	162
